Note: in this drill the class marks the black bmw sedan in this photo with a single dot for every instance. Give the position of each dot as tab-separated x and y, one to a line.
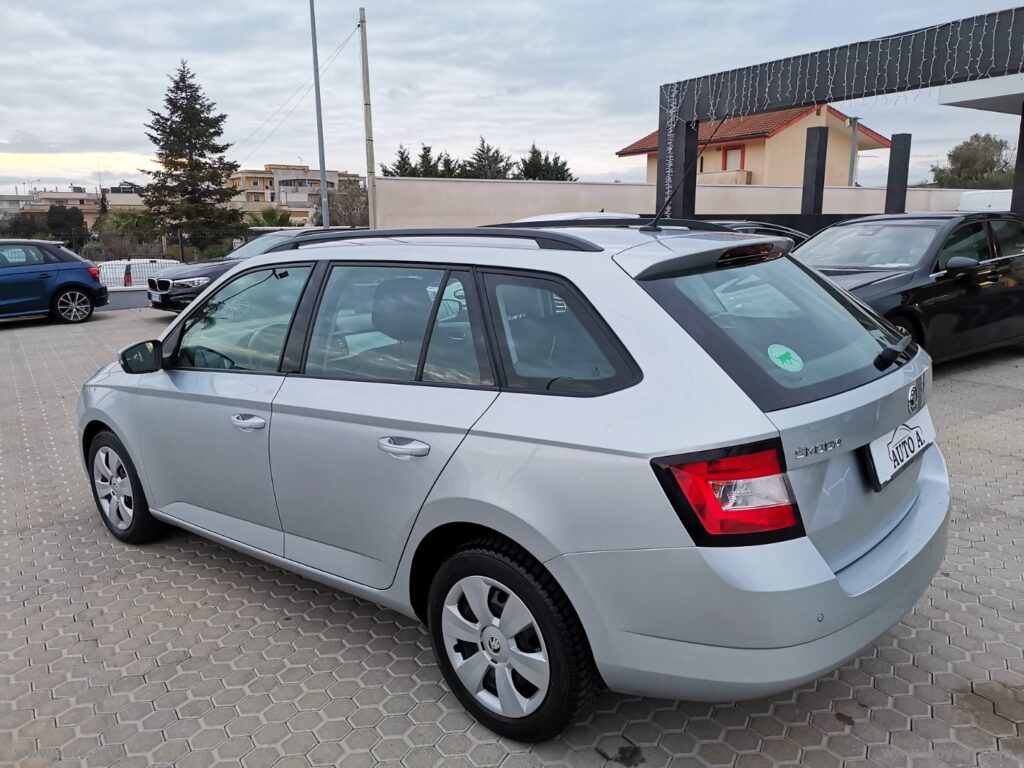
953	281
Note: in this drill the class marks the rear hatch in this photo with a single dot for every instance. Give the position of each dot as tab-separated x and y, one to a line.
851	425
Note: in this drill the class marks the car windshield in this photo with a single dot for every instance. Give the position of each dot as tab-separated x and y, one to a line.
869	245
260	245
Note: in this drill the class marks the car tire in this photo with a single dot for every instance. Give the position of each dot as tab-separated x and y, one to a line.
907	326
118	493
482	665
72	305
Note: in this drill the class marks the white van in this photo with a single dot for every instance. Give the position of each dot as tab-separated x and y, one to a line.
985	200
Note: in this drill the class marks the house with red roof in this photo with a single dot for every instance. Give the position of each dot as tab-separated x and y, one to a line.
768	147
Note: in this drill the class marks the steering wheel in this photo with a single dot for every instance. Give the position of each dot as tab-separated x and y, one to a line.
269	339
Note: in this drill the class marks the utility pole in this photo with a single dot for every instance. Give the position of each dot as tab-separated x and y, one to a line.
325	214
371	175
853	152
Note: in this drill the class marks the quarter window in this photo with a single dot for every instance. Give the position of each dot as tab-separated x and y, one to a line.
970	240
243	326
550	341
1010	236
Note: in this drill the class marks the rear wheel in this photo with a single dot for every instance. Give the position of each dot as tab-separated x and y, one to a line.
118	492
508	642
72	305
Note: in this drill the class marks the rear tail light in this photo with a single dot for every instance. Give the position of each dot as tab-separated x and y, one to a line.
95	272
732	497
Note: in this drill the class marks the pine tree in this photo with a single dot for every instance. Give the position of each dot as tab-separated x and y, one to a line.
487	162
543	167
403	165
190	188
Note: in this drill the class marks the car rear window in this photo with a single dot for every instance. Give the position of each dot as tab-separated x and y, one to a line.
784	333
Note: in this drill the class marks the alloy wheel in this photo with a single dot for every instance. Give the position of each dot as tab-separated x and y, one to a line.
74	306
113	488
495	646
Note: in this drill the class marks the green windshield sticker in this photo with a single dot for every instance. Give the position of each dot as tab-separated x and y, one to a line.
785	358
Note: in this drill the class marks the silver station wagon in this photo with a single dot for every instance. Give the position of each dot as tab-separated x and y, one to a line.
670	460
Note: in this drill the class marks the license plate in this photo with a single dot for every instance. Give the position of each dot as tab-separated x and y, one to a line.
155	297
899	447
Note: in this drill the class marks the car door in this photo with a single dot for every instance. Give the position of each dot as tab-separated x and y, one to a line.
27	277
204	419
956	308
394	377
1008	235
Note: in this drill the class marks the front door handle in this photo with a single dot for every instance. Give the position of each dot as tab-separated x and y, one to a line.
403	447
247	422
44	275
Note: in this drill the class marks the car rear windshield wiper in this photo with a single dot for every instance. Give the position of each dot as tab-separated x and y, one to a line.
891	353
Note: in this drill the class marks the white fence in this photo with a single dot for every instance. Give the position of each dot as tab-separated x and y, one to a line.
412	202
113	273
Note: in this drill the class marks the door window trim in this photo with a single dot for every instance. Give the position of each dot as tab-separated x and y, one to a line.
487	364
177	330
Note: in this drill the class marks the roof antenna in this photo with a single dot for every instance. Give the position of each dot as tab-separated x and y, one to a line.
652	226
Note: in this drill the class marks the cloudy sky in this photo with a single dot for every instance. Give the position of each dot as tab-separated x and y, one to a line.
579	77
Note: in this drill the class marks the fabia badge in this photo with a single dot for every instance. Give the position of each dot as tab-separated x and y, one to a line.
786	358
913	399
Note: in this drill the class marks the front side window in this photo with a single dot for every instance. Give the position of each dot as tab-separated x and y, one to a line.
399	324
869	245
550	341
243	326
783	333
970	240
20	256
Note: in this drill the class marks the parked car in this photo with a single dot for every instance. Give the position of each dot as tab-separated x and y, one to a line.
41	277
175	288
763	228
954	282
678	462
604	218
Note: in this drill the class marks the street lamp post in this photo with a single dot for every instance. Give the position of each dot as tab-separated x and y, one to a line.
325	215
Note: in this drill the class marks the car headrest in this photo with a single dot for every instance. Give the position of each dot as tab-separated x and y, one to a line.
401	307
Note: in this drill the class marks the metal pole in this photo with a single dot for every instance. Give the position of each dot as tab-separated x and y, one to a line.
371	174
181	247
325	214
853	152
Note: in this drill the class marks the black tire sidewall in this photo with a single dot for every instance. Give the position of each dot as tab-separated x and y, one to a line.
142	522
56	298
550	718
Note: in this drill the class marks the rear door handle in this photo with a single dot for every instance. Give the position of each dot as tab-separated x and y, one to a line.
403	447
247	422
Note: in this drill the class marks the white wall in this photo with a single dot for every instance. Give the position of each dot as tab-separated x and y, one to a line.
410	202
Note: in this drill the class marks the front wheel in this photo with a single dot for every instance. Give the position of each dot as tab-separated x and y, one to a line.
72	305
508	641
118	492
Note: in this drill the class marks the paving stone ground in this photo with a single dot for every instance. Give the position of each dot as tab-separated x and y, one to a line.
186	653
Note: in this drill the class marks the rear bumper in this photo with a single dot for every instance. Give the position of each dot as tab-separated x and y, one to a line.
101	296
720	624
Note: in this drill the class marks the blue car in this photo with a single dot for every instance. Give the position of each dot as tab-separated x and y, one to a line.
42	277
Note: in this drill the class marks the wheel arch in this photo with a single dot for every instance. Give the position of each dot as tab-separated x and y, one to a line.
437	545
904	315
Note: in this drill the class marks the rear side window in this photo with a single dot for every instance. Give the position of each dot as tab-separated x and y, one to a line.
21	256
551	341
782	333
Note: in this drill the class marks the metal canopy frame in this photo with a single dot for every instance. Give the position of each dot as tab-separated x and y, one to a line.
973	48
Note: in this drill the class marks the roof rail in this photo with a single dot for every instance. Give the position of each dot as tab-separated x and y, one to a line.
609	222
557	241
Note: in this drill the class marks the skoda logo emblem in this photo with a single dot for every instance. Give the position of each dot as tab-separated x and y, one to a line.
913	398
494	644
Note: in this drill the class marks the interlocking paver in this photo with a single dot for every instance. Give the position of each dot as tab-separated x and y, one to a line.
185	652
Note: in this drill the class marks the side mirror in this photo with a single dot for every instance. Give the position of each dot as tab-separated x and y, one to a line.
961	265
144	357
